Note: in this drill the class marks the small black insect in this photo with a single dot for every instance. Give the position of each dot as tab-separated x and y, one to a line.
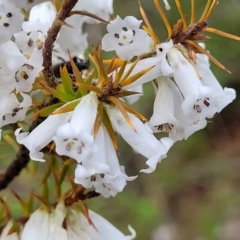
81	65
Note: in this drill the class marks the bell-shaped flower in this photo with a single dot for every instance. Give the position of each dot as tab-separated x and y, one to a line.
159	63
125	37
140	138
163	118
222	96
75	139
42	135
11	110
77	225
23	78
103	170
168	115
10	21
198	102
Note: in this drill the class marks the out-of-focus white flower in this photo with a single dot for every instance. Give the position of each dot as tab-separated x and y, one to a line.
75	139
222	96
140	138
37	226
47	224
125	37
10	21
103	230
25	72
103	170
45	12
11	110
41	135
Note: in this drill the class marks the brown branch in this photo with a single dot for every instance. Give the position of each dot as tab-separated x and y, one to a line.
51	38
19	162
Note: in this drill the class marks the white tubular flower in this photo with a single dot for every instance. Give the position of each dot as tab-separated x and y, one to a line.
222	96
159	64
37	226
77	225
102	171
11	110
163	118
125	37
168	115
75	139
10	20
184	128
41	135
140	138
24	77
5	233
198	103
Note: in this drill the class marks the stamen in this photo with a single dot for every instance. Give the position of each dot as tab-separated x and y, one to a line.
68	147
221	33
125	29
93	178
30	42
180	9
204	14
206	103
79	149
193	12
116	35
164	18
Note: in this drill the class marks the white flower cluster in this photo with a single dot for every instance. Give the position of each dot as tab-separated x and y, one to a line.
20	61
187	93
64	223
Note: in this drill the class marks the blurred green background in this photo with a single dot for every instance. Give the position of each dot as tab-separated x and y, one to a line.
194	194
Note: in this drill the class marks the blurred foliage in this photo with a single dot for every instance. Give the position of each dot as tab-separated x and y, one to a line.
196	188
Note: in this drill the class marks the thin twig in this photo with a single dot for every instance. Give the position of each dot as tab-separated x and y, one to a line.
51	38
